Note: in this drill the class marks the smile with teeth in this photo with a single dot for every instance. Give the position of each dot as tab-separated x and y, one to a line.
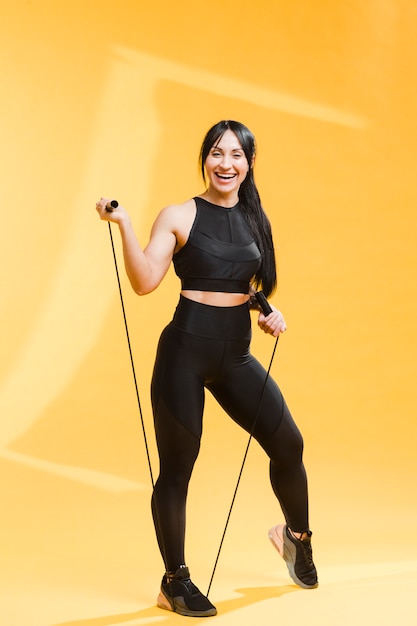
225	176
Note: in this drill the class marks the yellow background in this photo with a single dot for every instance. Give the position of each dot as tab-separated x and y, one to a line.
113	99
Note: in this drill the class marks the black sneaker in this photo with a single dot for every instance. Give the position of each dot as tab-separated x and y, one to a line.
297	554
180	595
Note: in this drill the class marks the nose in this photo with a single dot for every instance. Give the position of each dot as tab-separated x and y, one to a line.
226	162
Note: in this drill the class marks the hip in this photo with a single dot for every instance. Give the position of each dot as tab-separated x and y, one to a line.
213	322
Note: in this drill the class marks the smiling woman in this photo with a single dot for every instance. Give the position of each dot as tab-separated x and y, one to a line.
226	168
100	97
222	249
235	147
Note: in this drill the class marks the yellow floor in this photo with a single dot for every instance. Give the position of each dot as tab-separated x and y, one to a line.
78	547
110	573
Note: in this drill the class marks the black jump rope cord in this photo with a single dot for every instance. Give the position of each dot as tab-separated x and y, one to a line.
266	309
243	463
131	360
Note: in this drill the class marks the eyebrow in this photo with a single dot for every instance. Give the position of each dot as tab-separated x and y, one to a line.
221	149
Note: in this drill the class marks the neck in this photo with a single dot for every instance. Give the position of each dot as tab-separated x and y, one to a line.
224	200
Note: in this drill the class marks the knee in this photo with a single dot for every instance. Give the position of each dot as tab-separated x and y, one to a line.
176	472
296	445
287	451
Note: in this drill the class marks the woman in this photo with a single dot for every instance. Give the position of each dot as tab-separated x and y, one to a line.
221	246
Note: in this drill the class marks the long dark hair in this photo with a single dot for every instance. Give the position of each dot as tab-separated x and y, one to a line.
266	276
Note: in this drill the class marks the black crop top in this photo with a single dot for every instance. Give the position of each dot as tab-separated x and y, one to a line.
220	253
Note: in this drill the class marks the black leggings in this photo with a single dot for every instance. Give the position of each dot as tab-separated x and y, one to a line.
208	347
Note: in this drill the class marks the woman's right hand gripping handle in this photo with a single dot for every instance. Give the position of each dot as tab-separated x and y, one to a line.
110	210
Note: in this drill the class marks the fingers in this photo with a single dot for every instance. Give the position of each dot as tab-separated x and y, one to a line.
101	205
112	215
274	324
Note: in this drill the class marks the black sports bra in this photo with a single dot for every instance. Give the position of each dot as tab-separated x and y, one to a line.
220	253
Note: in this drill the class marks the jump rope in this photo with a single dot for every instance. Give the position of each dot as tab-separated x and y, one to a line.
266	309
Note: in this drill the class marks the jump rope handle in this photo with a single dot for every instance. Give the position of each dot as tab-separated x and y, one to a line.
110	206
263	303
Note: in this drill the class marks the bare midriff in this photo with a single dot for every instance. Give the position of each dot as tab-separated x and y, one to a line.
216	298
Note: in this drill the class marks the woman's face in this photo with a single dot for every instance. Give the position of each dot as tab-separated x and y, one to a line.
226	165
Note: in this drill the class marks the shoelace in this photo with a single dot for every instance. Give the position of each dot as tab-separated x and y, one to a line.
308	552
190	586
187	582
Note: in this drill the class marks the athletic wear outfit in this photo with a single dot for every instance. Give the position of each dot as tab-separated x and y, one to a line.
209	347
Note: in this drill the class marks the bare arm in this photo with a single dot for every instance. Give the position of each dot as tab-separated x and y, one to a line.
147	267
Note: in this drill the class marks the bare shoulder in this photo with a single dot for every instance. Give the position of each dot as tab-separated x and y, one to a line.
178	219
179	211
